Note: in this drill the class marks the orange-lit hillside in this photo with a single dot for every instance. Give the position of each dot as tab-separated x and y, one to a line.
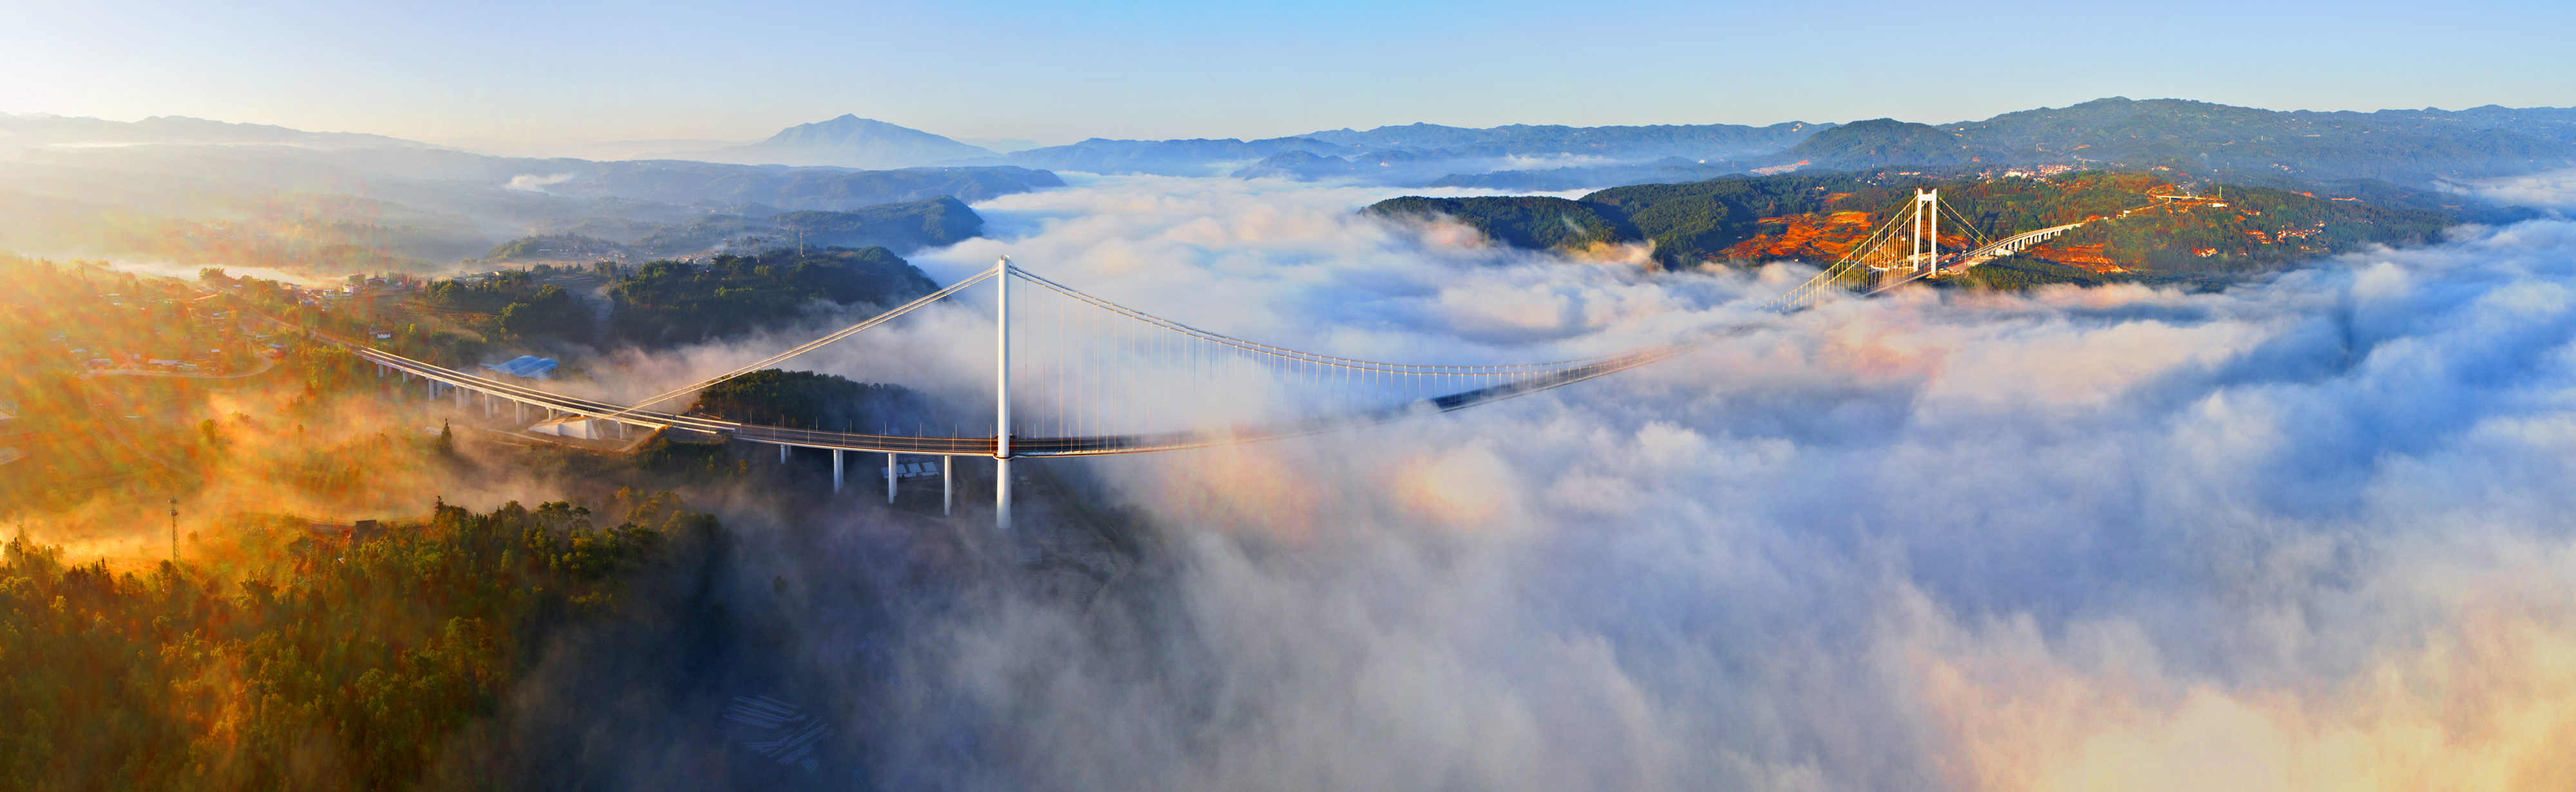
2094	257
1810	237
2133	220
1822	237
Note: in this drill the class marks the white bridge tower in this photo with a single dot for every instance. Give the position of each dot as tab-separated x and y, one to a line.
1927	232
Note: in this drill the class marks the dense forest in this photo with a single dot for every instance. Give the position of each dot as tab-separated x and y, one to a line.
512	302
672	302
351	657
2147	220
930	222
263	647
816	401
462	320
1527	221
553	247
65	328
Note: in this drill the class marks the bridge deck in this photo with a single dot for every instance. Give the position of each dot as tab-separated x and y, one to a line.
1086	445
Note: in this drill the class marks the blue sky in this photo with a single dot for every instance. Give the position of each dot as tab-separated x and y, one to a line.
576	72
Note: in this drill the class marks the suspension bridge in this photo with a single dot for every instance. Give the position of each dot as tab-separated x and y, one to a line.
1077	375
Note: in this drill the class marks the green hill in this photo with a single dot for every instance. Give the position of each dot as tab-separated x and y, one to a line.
930	222
936	221
1818	215
553	247
1535	222
671	302
1879	143
810	400
2244	142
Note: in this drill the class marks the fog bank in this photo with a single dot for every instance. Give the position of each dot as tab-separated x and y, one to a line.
2306	533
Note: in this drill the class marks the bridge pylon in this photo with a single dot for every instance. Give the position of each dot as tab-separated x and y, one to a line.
1927	232
1002	396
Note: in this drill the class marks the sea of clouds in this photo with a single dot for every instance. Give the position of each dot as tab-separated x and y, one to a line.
2310	532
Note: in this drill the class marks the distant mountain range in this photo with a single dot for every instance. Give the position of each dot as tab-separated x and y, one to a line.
848	142
2288	149
1417	154
2237	144
189	190
23	132
195	192
1688	141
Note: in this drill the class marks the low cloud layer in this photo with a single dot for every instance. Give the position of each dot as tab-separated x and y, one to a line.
2307	533
2554	190
529	182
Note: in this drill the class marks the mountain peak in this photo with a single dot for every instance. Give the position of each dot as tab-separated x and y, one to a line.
1881	141
851	142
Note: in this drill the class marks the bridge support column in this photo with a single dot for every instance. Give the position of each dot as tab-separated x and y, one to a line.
1002	395
889	478
947	486
519	412
1002	492
782	453
836	471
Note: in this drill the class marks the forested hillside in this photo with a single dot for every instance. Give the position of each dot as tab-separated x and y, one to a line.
672	302
809	400
328	659
511	304
2244	143
1527	221
1879	143
2145	220
936	221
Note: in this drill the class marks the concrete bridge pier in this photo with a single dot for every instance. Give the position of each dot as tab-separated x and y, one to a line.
889	478
947	486
1002	493
836	471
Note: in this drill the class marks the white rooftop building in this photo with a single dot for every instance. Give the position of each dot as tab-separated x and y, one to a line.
526	367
